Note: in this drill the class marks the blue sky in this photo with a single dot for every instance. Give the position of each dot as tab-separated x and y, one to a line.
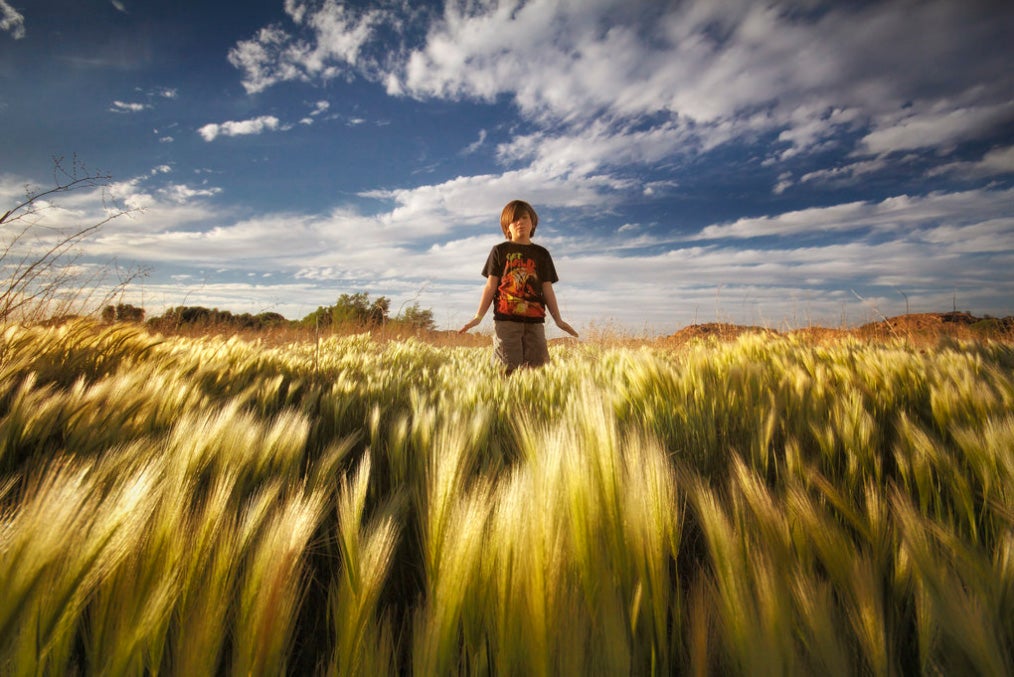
782	163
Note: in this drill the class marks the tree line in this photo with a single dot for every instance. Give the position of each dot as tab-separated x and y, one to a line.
348	310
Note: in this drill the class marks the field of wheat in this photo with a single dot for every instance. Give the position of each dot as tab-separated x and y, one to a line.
191	506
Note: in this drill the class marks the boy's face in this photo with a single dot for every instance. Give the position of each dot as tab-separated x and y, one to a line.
521	227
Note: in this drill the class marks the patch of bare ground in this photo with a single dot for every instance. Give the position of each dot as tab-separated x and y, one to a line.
917	327
958	325
720	331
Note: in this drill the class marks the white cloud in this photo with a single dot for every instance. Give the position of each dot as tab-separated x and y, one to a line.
338	34
996	162
977	238
466	202
584	150
814	128
258	125
182	194
319	108
846	174
899	212
785	181
999	161
475	145
935	126
127	107
11	21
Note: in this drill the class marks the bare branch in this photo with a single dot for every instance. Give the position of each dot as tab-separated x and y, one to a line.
33	277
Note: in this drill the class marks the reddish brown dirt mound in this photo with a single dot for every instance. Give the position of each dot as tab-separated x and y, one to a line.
932	325
718	330
915	326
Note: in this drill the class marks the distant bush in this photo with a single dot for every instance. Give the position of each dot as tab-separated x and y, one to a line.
122	312
198	317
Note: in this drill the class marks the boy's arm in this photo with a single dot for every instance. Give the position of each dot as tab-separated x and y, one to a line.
554	309
492	282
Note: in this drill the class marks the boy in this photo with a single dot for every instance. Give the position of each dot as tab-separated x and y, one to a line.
519	284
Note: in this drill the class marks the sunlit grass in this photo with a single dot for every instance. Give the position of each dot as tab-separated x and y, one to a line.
352	506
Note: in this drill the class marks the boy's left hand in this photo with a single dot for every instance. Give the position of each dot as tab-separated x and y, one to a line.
468	325
567	328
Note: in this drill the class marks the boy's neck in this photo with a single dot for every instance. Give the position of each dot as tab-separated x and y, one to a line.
526	240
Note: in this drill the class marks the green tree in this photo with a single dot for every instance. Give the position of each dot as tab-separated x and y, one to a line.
419	318
350	309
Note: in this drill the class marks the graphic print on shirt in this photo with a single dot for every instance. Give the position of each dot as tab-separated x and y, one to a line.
520	292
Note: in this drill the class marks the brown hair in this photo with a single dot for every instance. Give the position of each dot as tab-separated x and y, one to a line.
512	211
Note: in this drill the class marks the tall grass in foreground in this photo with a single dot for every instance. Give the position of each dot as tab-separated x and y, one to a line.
204	506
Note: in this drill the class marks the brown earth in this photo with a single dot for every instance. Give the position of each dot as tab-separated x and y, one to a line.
921	327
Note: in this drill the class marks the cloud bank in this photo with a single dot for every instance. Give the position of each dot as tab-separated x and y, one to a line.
703	72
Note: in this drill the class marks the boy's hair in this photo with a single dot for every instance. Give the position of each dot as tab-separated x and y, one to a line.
512	211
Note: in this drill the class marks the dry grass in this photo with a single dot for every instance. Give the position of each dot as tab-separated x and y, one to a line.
284	335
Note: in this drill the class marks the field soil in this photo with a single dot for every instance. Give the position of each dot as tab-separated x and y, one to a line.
921	327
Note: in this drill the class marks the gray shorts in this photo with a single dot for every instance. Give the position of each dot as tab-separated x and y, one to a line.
520	344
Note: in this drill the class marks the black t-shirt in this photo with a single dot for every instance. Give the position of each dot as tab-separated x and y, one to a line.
522	269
